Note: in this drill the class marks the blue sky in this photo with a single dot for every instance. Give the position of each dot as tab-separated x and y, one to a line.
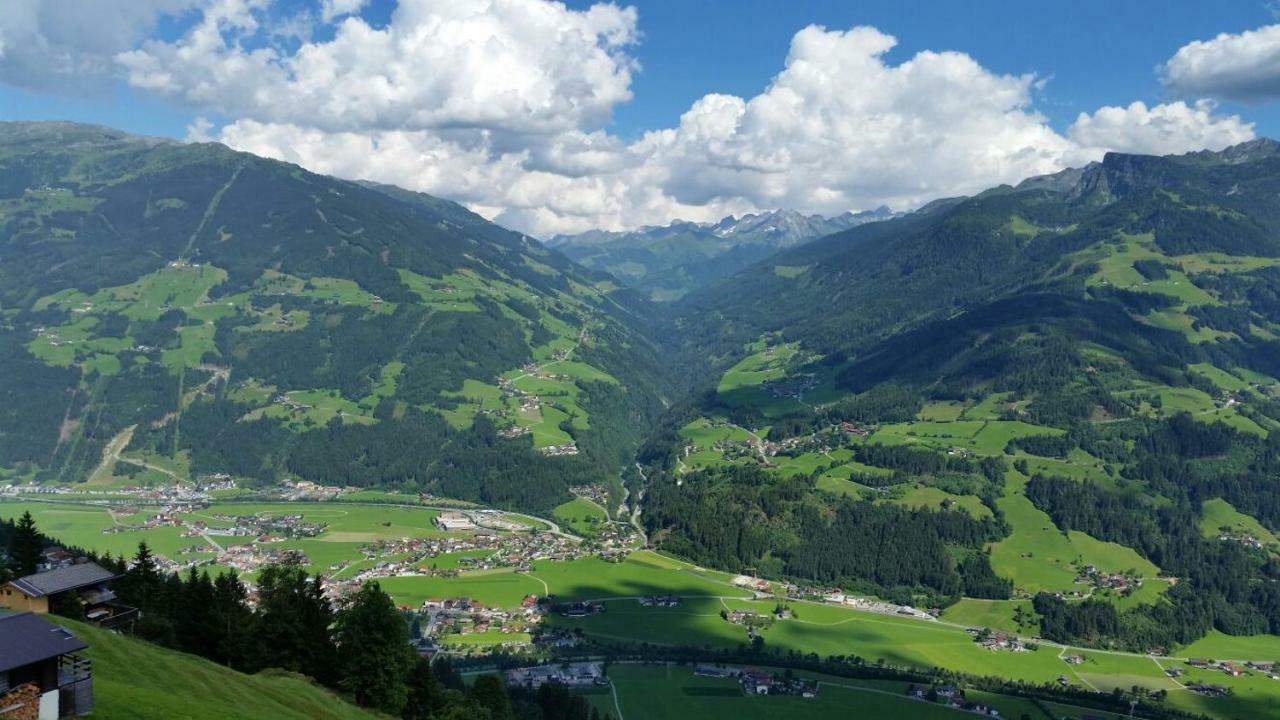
1095	52
562	117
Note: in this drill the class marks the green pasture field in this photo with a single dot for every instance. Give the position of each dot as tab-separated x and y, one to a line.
994	614
990	407
944	411
764	364
579	515
489	637
1218	513
832	630
832	482
1218	645
1219	377
641	573
498	588
82	526
133	678
1038	556
923	496
982	437
662	692
1213	262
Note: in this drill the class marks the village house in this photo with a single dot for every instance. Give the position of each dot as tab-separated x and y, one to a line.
60	591
755	682
41	677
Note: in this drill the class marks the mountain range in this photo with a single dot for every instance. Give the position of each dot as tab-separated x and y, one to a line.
669	261
1060	395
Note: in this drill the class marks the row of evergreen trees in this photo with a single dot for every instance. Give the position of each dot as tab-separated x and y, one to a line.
360	648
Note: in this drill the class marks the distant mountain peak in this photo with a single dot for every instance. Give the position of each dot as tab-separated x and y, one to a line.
672	259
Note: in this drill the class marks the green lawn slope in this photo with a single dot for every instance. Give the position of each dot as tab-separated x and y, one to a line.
135	679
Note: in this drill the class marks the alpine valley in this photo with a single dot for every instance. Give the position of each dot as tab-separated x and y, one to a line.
1025	443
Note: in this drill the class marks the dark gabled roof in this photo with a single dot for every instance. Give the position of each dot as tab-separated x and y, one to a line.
62	579
29	638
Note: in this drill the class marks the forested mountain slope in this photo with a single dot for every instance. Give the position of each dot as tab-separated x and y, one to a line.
195	310
1066	389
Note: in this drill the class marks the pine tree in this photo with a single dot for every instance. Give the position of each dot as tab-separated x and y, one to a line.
426	694
26	546
487	691
196	629
293	624
373	644
232	621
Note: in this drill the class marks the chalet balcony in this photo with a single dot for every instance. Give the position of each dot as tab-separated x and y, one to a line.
75	685
114	617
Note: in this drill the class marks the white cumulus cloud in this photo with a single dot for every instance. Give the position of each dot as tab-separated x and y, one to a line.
515	66
1160	130
1243	66
505	105
838	128
69	45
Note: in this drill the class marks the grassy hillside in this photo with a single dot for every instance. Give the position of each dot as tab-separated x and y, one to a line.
137	680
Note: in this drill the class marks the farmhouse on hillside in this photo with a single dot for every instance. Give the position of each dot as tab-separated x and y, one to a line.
63	590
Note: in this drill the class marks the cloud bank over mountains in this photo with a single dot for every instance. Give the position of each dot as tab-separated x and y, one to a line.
505	105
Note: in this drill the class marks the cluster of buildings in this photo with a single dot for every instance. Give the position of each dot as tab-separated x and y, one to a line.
412	556
1000	640
464	616
266	528
569	448
950	696
669	601
598	494
761	682
1233	669
454	521
251	557
305	490
745	617
1209	690
857	429
579	609
573	675
1120	582
169	515
1243	538
752	583
836	596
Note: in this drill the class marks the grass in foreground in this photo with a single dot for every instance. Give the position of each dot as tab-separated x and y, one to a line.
135	679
